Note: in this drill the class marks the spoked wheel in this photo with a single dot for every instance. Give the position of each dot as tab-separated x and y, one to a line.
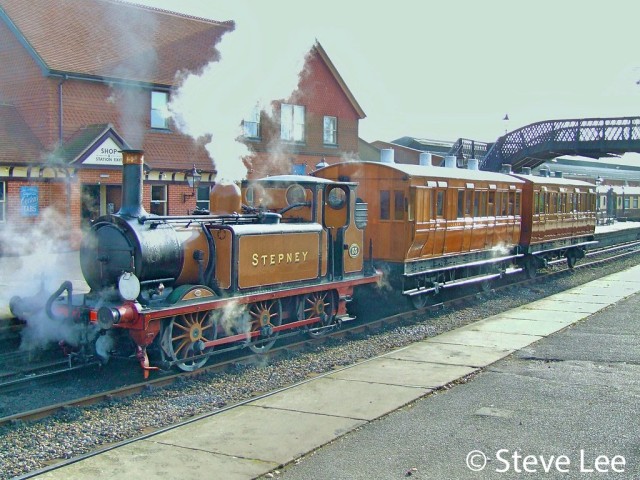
183	336
264	316
318	304
419	301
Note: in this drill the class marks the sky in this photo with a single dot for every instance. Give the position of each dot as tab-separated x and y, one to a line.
433	69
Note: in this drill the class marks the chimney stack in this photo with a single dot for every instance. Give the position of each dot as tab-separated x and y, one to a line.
132	162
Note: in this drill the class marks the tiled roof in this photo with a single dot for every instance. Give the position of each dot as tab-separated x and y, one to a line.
113	39
18	144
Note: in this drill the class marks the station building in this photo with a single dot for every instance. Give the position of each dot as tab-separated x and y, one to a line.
80	81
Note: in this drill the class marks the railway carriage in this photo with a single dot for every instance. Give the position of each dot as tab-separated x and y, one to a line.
437	227
558	219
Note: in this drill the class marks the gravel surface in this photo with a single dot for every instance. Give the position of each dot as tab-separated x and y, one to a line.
25	447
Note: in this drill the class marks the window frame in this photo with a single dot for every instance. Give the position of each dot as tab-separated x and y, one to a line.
330	132
163	202
251	128
203	204
385	205
292	123
159	118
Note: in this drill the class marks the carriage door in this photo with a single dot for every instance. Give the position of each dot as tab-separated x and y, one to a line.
336	217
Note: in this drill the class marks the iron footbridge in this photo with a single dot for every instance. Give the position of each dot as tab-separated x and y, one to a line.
536	143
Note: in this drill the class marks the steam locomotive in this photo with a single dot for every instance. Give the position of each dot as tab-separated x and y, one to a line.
184	287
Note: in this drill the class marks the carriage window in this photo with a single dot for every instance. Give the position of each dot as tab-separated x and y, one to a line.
476	204
460	203
483	204
635	202
440	203
410	207
467	205
398	205
517	212
492	204
512	201
505	203
2	202
432	202
385	205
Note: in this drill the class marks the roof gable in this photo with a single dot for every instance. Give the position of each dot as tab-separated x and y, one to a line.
111	39
343	86
18	144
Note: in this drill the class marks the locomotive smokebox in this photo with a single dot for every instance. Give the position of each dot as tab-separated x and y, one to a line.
132	162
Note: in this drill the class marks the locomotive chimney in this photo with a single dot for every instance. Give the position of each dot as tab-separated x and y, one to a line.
132	162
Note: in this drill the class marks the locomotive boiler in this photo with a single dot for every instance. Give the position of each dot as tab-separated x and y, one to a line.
181	287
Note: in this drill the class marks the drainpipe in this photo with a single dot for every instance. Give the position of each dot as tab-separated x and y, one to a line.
60	109
60	140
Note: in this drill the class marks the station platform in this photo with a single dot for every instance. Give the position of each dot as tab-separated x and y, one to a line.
516	385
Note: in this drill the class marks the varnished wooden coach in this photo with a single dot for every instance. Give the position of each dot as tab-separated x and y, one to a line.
558	219
437	227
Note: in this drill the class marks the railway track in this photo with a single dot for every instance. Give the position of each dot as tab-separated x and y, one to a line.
285	346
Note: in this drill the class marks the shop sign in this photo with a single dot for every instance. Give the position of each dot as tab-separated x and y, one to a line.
107	153
29	201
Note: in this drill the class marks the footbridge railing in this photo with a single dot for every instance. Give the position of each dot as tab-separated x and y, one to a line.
536	143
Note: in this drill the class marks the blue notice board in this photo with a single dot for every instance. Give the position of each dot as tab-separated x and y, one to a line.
29	201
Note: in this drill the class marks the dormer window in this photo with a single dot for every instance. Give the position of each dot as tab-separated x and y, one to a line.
292	123
159	110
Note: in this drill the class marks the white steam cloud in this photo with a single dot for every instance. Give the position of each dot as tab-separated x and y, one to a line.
35	262
249	74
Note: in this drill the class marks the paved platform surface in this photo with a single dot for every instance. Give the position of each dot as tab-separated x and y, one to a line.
574	391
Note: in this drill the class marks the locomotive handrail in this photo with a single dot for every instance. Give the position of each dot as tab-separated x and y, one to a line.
221	219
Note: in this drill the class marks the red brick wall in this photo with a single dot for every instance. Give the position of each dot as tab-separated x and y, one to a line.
321	96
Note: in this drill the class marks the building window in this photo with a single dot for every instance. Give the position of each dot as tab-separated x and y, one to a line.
159	199
330	131
159	110
202	198
251	124
292	123
2	202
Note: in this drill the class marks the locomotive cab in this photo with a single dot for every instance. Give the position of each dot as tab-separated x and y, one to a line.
332	204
